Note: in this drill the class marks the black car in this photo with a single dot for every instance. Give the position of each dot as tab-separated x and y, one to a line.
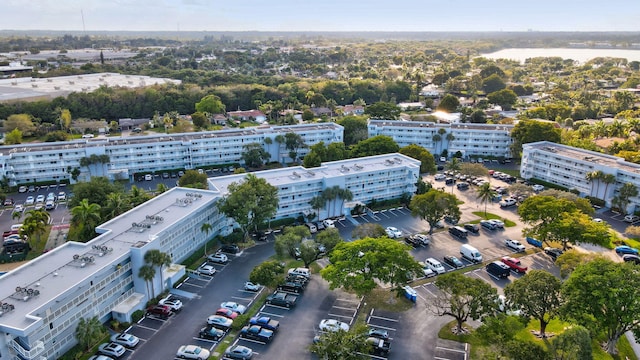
230	249
498	269
631	258
453	261
260	236
462	185
472	228
211	333
449	181
320	225
553	252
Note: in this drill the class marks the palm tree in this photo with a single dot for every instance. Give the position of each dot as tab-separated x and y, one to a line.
35	224
607	179
116	204
436	139
160	188
598	176
328	195
590	176
317	203
453	165
486	195
89	331
86	217
344	194
137	196
157	258
206	228
147	273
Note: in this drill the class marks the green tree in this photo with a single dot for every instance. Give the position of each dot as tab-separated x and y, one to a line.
376	145
35	223
433	206
463	297
317	203
65	119
528	131
599	296
577	228
89	331
254	155
626	192
287	243
308	252
427	162
361	264
341	345
486	195
571	259
84	217
270	273
250	202
368	230
355	129
22	122
574	343
199	119
477	170
161	188
311	160
505	98
137	196
449	103
541	214
148	273
493	83
294	142
157	259
383	110
206	229
497	331
537	295
329	238
525	350
210	104
193	179
13	137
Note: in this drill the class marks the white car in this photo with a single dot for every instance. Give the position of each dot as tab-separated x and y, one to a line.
192	352
435	265
22	189
40	199
440	177
426	270
112	349
100	357
218	258
207	270
537	188
393	232
443	159
174	304
333	325
515	245
631	218
249	286
62	196
30	200
125	339
240	309
507	202
148	177
497	223
18	209
328	223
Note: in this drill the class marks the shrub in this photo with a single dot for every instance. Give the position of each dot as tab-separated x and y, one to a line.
137	315
239	322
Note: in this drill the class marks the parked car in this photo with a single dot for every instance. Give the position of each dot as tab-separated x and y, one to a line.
49	205
234	306
435	265
508	202
378	347
427	270
230	249
280	298
206	269
9	202
553	252
161	311
378	333
499	224
440	177
100	357
462	185
292	287
30	200
111	349
514	245
211	333
631	218
320	225
266	322
626	250
148	177
449	181
498	269
328	223
125	339
249	286
22	189
453	261
537	188
487	224
228	313
333	325
256	333
173	303
418	240
238	352
219	322
218	258
393	232
192	352
312	227
472	228
300	271
631	258
514	264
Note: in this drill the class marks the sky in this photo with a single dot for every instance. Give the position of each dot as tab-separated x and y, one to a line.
321	15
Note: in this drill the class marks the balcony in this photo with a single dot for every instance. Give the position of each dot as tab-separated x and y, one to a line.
37	349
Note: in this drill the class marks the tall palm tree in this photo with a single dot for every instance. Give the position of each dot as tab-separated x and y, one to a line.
607	179
436	139
35	224
486	195
590	177
317	203
137	196
159	259
116	204
206	228
598	176
160	188
147	273
453	165
344	194
88	331
85	217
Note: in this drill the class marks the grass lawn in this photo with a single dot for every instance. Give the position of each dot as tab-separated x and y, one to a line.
515	173
489	216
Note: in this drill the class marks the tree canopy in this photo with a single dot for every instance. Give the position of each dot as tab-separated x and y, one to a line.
376	145
433	206
193	179
254	155
269	273
210	104
383	110
528	131
427	162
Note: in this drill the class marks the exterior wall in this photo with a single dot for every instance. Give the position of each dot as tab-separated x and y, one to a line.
477	140
568	167
52	161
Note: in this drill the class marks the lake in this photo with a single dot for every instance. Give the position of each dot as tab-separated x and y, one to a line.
580	55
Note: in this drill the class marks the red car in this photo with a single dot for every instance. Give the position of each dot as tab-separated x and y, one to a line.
514	264
228	313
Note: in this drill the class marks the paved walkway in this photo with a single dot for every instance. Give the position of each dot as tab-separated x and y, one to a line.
57	236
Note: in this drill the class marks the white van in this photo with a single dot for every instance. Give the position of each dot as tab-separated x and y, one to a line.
470	253
300	272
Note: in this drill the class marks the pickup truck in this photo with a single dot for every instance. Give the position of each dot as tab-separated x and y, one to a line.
534	242
257	333
379	347
292	287
284	299
266	322
514	264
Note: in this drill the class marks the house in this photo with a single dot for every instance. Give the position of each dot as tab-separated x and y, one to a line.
352	110
129	123
249	115
321	111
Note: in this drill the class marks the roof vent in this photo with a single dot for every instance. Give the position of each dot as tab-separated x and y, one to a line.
5	308
25	294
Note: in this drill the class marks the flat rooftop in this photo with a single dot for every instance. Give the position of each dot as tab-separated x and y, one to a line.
158	138
27	87
296	174
585	155
427	124
57	272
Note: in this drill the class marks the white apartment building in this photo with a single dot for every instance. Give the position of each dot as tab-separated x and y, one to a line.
47	296
568	167
378	177
471	140
100	278
43	162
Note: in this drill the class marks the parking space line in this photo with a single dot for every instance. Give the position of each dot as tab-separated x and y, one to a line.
277	307
429	291
343	316
253	341
450	349
348	300
384	214
270	314
383	327
383	318
242	298
148	328
343	308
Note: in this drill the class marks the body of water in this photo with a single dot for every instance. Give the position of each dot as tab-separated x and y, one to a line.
580	55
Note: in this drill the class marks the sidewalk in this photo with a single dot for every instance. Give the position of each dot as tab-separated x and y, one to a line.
57	236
